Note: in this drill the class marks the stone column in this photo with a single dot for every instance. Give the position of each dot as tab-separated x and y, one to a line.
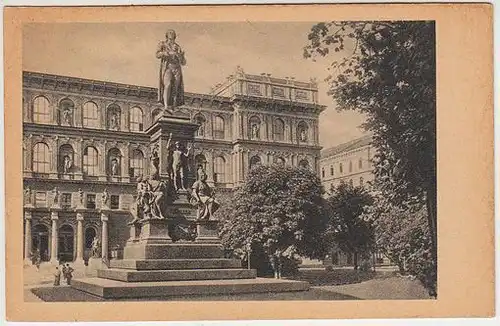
79	238
125	163
27	237
210	167
54	259
104	236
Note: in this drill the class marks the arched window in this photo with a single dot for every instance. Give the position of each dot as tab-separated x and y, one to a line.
341	169
114	162
360	163
136	163
200	119
90	234
219	128
66	109
350	166
322	172
302	131
136	119
200	161
278	130
254	161
66	157
113	117
254	128
41	158
90	161
220	169
41	110
304	163
331	170
90	115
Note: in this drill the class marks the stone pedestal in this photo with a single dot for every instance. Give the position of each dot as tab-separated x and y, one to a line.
207	231
154	231
182	130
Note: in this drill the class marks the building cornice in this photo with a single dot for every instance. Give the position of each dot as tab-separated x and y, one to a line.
90	87
49	129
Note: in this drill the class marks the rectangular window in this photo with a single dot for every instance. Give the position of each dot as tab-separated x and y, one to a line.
40	199
66	200
115	202
91	201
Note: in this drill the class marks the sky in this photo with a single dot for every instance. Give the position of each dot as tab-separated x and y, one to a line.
125	53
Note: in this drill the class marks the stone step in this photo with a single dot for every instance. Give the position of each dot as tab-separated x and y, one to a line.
110	289
155	264
143	251
127	275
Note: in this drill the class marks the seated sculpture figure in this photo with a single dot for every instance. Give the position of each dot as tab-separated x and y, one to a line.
158	197
203	197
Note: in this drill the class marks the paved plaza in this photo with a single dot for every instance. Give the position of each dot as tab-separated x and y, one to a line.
338	284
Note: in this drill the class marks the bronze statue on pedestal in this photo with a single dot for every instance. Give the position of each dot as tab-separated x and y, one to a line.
171	85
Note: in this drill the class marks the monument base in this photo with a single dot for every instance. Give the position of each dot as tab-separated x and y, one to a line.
154	266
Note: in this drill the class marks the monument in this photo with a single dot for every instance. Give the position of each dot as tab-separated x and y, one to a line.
174	248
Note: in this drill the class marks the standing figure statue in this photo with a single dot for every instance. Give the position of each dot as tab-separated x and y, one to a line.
114	167
68	164
80	196
204	197
105	197
56	193
155	159
27	195
171	86
179	165
94	251
67	116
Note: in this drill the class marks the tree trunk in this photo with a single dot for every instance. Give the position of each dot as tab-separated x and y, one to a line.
355	260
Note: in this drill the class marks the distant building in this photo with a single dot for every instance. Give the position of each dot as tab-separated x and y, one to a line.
348	162
83	136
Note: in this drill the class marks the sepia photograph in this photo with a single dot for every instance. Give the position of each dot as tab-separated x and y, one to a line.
229	161
184	161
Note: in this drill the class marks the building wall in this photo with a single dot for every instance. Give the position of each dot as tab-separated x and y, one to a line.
55	116
351	166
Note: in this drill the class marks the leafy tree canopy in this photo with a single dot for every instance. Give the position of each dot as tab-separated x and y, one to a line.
387	71
279	209
348	226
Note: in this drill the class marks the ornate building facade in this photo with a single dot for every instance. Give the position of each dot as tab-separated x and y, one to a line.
82	137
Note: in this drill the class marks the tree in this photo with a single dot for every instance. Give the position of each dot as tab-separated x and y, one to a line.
278	209
403	236
348	227
389	74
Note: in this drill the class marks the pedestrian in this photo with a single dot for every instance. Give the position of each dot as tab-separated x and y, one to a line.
68	274
38	260
57	277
